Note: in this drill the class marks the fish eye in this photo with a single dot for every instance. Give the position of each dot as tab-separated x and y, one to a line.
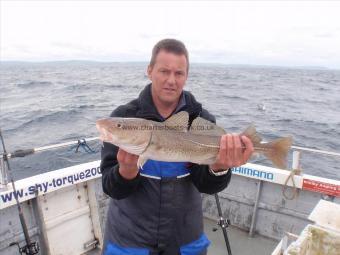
119	125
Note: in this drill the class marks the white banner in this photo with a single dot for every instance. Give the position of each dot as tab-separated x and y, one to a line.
44	183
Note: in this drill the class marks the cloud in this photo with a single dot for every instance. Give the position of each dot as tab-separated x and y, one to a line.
324	35
226	32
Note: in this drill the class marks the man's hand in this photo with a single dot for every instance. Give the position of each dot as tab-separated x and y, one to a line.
127	164
235	150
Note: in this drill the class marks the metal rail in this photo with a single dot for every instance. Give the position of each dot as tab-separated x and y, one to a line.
49	147
330	153
25	152
255	209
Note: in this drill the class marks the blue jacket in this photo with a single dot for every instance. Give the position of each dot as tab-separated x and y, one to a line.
160	211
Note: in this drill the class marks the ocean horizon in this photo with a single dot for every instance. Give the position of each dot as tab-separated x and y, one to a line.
45	103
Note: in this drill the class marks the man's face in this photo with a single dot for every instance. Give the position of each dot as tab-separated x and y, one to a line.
168	76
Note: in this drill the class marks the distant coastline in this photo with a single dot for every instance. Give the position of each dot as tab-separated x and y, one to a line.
94	62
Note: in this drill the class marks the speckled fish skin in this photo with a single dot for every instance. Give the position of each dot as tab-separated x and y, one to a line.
173	141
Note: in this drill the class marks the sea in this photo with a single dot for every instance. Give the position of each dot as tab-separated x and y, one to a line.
55	102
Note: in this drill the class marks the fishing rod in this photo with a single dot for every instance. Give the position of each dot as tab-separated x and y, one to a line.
79	143
30	248
223	224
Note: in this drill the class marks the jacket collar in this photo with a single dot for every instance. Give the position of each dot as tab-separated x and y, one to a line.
148	110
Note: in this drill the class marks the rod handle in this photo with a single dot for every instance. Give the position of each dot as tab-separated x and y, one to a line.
21	153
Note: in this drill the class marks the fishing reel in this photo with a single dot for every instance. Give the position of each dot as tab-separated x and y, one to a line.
222	223
30	249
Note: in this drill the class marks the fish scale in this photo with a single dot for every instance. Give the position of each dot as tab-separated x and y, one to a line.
173	141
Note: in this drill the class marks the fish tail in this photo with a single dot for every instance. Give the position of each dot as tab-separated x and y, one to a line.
277	150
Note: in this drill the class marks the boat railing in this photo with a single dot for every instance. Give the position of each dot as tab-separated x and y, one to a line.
50	182
328	153
25	152
297	150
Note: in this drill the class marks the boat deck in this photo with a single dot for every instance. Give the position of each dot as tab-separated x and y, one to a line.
248	203
240	242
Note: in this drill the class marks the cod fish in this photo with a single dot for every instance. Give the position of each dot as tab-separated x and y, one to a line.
174	141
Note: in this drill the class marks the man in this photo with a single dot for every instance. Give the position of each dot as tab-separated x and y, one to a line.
161	212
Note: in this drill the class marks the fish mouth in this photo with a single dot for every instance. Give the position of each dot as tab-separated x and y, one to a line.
100	124
104	134
105	124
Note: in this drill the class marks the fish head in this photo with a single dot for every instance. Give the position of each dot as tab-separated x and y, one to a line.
131	134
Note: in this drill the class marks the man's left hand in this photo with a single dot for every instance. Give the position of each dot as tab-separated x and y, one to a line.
235	150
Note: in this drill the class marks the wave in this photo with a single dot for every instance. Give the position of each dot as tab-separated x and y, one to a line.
310	126
34	84
50	118
93	87
76	95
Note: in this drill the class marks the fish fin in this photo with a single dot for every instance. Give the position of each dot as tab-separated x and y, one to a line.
207	161
141	161
135	149
277	151
252	134
203	126
178	121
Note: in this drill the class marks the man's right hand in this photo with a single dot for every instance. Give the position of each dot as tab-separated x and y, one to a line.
127	164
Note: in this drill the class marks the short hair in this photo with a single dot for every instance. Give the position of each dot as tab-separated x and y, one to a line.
169	45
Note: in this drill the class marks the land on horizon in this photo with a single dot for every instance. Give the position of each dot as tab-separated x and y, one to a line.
146	62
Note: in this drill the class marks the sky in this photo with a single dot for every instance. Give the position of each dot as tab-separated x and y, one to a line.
280	33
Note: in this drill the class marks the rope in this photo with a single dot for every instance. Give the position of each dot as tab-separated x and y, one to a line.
83	144
285	186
